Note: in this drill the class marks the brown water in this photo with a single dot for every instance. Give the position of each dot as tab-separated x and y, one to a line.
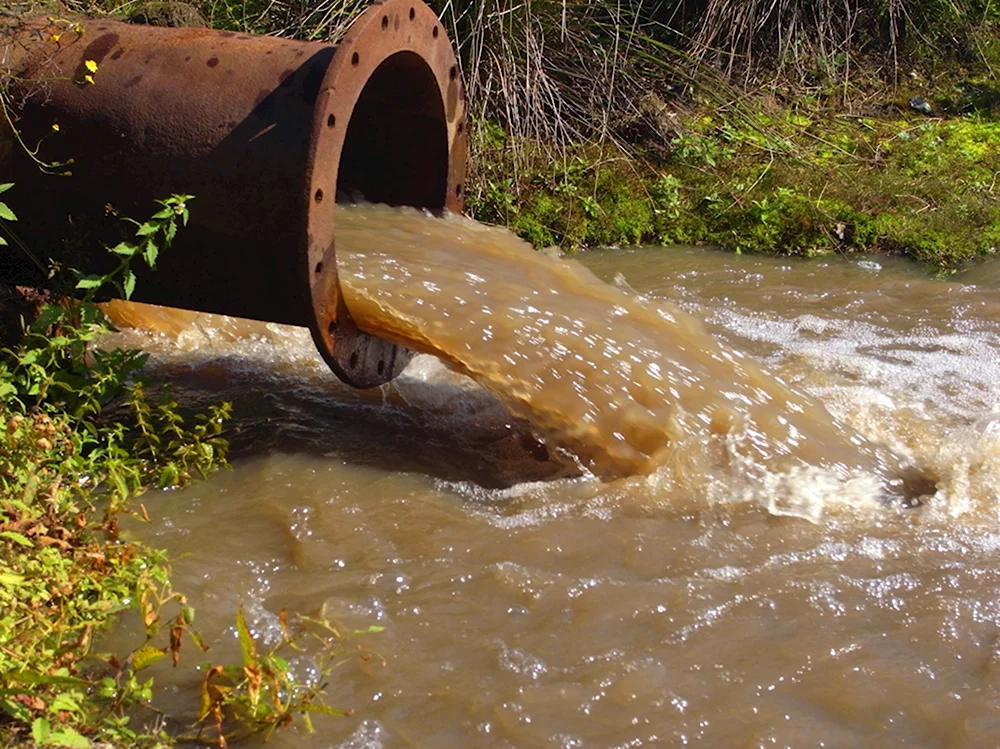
670	608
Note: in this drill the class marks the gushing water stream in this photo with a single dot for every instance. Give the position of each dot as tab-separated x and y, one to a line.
627	385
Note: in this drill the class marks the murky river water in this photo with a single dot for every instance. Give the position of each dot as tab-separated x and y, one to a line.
525	605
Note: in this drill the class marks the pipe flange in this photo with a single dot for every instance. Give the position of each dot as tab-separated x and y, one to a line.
397	34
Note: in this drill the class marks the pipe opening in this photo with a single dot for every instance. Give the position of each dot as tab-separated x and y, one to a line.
396	147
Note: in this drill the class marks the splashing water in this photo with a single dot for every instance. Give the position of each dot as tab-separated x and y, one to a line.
624	384
617	383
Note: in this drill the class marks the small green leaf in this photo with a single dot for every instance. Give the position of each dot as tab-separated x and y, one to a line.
90	282
247	646
17	538
107	689
3	242
150	253
6	186
50	315
168	476
312	707
147	229
67	737
27	677
7	213
128	283
9	578
15	709
197	640
65	702
125	249
40	730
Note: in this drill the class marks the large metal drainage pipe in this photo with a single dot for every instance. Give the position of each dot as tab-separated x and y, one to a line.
265	132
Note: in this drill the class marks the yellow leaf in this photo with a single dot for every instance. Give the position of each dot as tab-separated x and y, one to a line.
247	644
89	79
90	65
55	126
146	656
56	37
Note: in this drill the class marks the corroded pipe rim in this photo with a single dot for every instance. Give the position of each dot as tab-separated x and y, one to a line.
381	31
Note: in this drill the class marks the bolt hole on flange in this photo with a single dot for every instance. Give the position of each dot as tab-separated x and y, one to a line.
331	120
413	14
319	269
332	327
318	197
385	22
435	32
355	58
453	72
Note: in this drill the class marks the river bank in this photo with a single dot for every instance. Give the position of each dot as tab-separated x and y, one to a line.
795	130
797	180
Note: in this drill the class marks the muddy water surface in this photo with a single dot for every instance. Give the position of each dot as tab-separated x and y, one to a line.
525	605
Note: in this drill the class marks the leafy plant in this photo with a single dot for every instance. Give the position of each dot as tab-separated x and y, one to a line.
150	236
66	472
263	693
6	214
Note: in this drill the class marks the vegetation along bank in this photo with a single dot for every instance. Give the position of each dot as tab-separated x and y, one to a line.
788	128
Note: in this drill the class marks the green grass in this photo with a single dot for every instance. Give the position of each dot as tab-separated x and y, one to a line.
800	182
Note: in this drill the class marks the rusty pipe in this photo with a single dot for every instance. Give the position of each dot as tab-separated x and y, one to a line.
265	132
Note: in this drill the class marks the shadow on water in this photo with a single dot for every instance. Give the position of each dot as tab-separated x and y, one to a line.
446	435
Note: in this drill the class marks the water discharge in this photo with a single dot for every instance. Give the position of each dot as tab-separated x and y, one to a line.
627	385
665	603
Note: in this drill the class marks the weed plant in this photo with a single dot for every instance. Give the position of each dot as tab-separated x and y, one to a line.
80	440
67	472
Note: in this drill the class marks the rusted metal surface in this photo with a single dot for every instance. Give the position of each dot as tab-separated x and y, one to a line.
265	132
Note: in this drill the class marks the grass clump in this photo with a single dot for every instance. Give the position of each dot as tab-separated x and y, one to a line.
792	127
